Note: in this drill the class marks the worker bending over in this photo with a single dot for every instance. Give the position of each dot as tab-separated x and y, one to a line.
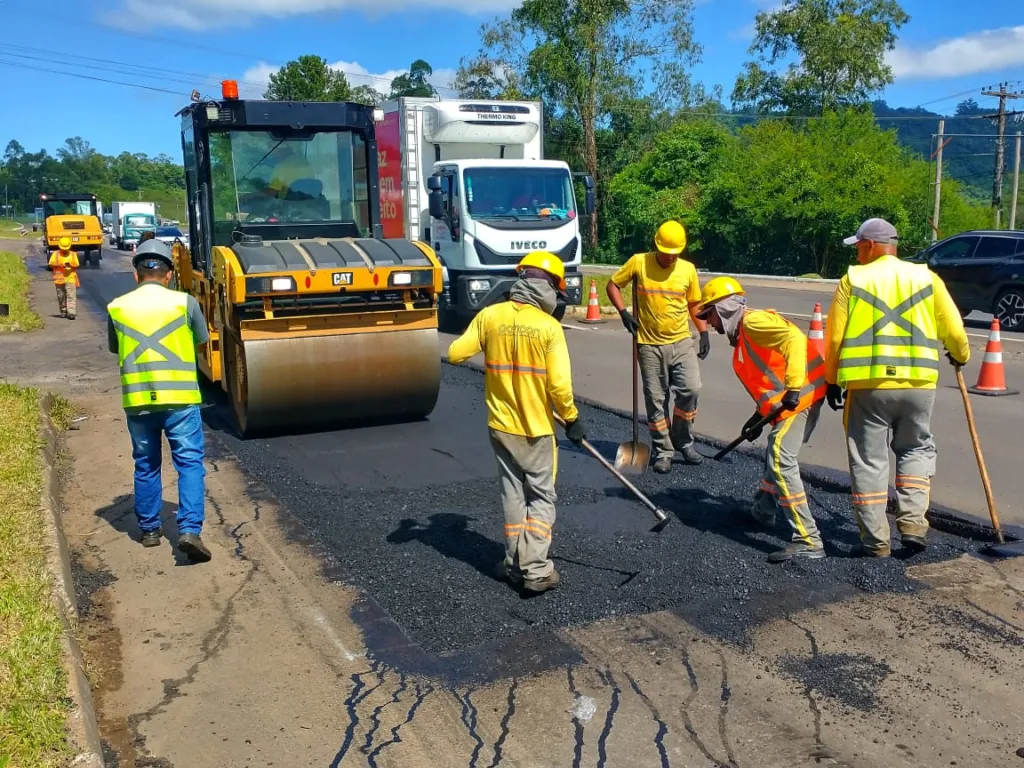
667	293
527	374
884	328
776	365
63	264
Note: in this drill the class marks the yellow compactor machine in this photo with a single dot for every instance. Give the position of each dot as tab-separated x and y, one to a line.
315	319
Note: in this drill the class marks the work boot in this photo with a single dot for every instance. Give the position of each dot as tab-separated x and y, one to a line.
152	538
504	573
796	550
760	515
663	465
193	547
861	551
71	317
544	584
914	543
690	455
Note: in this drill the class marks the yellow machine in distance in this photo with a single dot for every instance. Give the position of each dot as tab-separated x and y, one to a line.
315	319
77	217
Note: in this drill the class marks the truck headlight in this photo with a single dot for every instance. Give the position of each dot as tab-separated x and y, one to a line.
282	284
479	285
573	281
257	285
419	277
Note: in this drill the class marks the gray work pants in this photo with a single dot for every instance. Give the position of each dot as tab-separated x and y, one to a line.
870	416
671	377
781	484
527	467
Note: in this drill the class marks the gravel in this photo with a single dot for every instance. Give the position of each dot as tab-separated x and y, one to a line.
410	513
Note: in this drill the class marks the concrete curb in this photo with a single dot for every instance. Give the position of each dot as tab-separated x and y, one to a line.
82	726
610	268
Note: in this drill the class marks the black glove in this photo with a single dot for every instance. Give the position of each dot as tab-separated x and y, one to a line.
629	322
704	347
835	396
750	430
956	363
574	431
790	400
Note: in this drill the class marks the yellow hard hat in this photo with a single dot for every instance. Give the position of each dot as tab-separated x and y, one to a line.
671	238
716	289
64	243
548	262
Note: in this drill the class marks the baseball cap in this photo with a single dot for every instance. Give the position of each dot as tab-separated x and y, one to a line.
876	230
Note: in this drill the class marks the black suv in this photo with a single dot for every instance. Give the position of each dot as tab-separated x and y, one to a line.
984	271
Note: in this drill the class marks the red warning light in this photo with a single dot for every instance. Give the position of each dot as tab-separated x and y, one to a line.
308	281
229	89
376	279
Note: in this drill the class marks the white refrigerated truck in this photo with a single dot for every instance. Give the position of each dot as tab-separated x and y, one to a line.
131	218
468	177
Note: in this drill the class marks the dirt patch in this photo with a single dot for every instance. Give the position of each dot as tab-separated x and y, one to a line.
851	679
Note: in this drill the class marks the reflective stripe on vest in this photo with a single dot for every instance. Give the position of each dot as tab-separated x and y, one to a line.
890	331
762	372
156	348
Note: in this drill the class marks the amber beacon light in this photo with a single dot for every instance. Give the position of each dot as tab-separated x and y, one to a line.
229	89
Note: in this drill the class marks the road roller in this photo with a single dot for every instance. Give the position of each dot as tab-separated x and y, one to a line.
315	319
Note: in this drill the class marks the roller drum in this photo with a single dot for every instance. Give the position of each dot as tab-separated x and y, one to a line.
311	381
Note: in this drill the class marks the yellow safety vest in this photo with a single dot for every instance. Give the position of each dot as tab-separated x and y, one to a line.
891	331
156	348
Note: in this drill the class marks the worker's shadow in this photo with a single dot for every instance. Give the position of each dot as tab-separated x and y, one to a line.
121	517
450	535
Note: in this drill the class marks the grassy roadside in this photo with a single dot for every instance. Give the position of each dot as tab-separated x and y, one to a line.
10	229
14	282
33	704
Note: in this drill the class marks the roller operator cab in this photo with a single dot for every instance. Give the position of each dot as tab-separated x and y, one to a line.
315	319
75	216
468	177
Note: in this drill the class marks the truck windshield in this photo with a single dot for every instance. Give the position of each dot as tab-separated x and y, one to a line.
69	207
262	179
138	220
519	193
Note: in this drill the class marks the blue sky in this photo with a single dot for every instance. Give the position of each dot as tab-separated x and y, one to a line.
172	45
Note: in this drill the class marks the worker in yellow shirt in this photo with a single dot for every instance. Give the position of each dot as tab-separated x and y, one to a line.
668	293
786	378
63	265
527	374
290	167
885	326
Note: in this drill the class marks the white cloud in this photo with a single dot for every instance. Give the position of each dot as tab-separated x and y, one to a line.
255	79
747	31
985	51
204	14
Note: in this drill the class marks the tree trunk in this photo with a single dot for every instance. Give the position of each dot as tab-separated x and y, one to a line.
590	133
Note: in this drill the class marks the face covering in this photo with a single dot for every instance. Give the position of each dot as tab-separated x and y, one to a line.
539	293
730	312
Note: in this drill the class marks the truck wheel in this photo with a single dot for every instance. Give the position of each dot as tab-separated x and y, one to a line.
1010	309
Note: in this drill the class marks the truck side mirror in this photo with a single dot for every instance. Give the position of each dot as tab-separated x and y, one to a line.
435	202
591	201
434	183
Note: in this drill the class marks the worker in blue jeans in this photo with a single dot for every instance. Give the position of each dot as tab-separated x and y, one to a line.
154	331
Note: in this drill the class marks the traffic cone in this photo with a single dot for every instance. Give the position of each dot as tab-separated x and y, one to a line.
992	380
816	333
593	307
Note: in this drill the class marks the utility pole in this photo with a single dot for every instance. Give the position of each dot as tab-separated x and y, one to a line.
938	182
1016	183
997	185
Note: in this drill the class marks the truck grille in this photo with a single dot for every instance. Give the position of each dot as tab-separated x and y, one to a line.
73	224
493	258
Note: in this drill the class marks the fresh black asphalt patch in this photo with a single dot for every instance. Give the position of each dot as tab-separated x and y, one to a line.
410	513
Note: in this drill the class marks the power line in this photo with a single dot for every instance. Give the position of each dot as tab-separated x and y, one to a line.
89	77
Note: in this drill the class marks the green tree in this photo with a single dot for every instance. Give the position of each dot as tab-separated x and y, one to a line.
583	57
365	94
835	51
415	82
479	77
308	78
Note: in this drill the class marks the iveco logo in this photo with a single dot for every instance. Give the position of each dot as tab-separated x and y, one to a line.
529	245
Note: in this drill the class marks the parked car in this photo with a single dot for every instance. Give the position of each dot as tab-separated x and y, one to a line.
171	235
984	271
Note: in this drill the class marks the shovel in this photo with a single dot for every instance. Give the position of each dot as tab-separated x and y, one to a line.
657	511
744	436
633	457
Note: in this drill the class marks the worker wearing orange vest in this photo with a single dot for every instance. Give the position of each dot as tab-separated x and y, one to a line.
786	378
63	264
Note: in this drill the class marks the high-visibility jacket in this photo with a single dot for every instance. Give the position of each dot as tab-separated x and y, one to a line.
63	265
891	329
156	348
773	356
527	367
665	295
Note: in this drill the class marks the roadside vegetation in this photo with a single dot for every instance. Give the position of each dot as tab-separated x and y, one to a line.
33	685
14	282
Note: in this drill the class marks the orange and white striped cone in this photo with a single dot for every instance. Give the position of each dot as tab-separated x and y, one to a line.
816	333
992	379
593	306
